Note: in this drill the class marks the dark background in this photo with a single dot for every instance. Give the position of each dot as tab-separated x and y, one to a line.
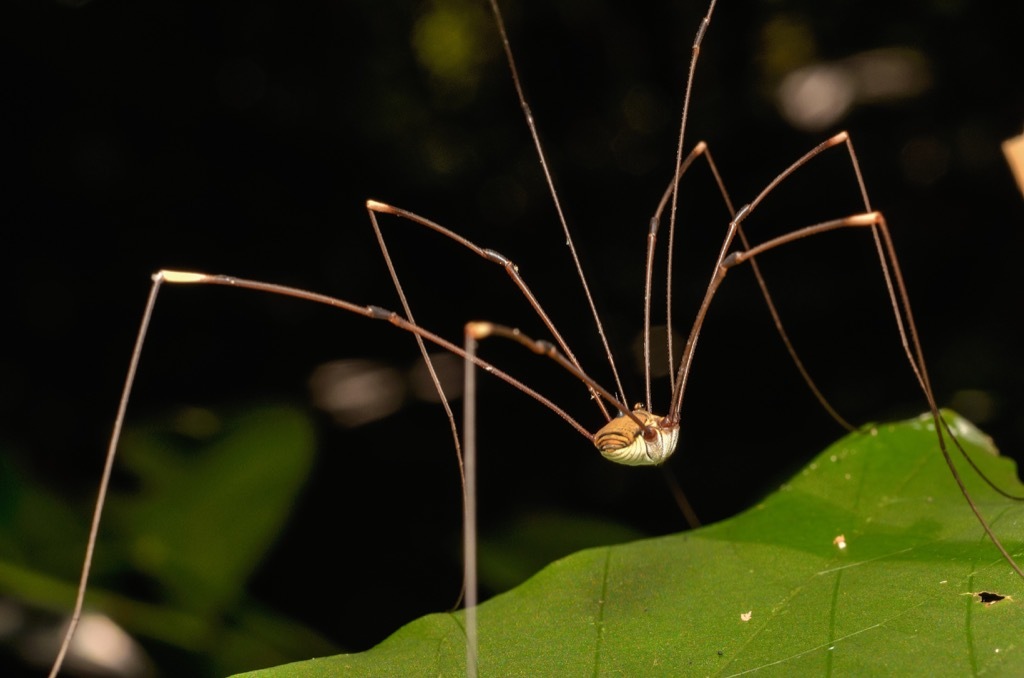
245	137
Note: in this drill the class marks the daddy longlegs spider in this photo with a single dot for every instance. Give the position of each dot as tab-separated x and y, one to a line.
691	137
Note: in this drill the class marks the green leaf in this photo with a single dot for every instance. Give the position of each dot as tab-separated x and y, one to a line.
770	590
213	494
209	494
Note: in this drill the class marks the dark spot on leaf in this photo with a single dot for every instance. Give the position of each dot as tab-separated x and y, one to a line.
989	598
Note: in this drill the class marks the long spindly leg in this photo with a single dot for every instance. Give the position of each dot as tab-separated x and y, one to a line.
701	150
374	208
906	328
900	301
898	296
370	312
549	179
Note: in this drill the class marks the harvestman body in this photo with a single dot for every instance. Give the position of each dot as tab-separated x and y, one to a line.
631	435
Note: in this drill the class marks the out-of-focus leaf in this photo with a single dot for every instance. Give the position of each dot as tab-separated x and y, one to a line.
200	498
204	514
